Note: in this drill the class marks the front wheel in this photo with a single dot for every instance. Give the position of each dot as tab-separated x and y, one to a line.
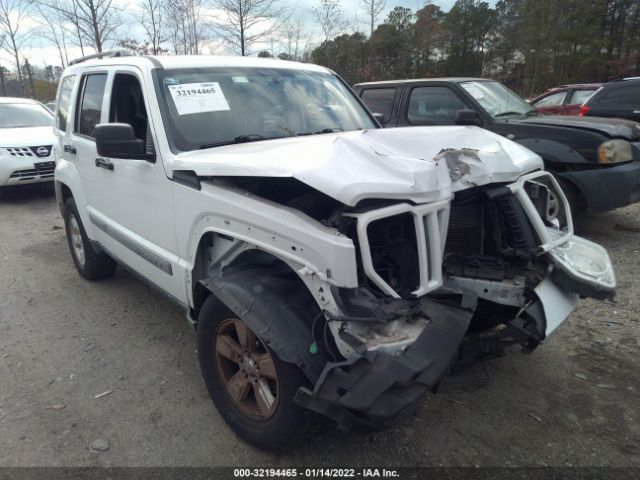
90	264
250	386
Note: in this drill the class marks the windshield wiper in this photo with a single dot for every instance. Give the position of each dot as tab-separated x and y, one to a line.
504	114
252	137
322	130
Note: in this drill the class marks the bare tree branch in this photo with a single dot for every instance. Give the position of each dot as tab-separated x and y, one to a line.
93	20
247	22
12	14
372	9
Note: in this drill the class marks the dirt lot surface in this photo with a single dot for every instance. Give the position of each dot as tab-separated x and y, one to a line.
64	341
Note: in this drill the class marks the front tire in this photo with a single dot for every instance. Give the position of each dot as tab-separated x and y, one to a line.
250	386
90	264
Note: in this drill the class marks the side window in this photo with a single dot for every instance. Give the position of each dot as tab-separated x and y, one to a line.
127	105
64	100
433	106
90	104
624	96
380	100
580	96
553	100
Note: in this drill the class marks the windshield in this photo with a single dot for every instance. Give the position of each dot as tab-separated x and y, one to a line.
210	107
497	99
16	115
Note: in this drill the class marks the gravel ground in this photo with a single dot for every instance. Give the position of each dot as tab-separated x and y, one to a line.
64	341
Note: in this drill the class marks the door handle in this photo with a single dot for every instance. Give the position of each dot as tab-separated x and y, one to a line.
70	149
104	163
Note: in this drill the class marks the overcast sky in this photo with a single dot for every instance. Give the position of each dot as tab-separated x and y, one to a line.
41	52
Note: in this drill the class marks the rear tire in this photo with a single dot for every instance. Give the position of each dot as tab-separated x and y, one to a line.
219	333
90	264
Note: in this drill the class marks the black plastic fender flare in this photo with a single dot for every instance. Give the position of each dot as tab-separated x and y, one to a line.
278	308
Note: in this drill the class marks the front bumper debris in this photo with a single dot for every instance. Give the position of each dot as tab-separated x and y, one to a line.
583	267
377	388
606	188
580	266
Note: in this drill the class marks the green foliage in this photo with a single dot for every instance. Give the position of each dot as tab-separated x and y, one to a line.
530	45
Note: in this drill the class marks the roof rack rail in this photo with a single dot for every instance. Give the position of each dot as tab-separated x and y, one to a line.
107	54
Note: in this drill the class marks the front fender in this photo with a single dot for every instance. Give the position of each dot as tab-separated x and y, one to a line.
553	151
278	308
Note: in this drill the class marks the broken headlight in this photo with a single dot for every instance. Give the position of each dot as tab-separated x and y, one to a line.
615	151
586	267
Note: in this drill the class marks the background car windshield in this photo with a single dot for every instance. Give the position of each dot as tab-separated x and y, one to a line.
15	115
497	99
216	106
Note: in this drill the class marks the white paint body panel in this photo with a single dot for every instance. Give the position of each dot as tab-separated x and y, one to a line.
556	302
393	163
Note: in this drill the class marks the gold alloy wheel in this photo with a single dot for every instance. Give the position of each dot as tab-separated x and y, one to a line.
246	369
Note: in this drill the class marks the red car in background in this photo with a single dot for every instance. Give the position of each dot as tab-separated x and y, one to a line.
564	100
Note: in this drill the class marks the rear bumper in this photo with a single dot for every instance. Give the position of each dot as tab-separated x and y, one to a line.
608	188
377	388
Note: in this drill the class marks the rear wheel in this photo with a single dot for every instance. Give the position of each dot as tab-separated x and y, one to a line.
251	387
90	264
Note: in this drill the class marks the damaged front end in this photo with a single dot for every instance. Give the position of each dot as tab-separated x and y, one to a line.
380	275
452	281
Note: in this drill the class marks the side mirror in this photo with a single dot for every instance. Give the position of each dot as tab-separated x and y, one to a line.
468	117
380	118
118	140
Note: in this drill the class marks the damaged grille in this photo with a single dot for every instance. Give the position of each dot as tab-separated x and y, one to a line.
401	247
493	229
487	232
466	228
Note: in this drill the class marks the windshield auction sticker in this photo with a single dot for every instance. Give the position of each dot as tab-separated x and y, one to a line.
198	98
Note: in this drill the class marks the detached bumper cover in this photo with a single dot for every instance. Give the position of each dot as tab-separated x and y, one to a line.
377	388
606	188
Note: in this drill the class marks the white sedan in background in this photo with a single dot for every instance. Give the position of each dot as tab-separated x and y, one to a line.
26	142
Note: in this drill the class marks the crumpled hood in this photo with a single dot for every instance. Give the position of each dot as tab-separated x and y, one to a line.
397	163
613	127
26	136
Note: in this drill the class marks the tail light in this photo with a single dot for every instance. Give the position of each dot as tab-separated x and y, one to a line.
583	110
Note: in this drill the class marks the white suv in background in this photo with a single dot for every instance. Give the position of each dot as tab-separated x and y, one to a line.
26	142
330	265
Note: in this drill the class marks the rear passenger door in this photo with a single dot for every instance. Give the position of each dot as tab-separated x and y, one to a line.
81	147
381	100
435	104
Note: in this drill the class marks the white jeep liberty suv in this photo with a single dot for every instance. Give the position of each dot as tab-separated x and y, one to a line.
330	266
